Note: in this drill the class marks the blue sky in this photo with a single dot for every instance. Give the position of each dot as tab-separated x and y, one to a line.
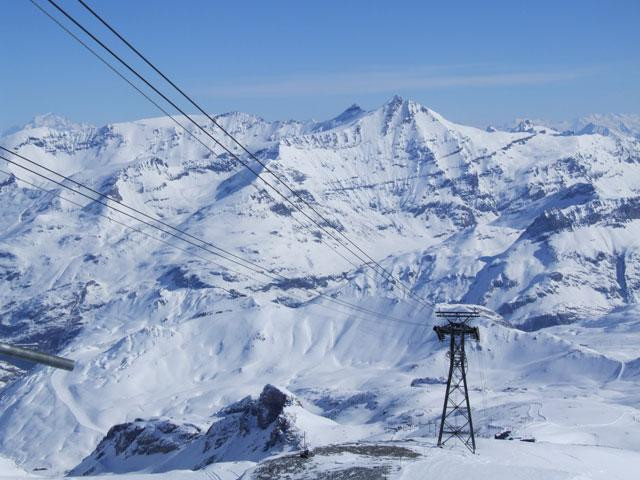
474	62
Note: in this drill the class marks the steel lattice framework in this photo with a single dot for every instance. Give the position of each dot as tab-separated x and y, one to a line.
456	419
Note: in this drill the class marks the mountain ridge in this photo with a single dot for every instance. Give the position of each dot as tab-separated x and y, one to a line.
537	225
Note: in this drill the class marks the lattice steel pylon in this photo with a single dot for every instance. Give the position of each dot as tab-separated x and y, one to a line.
456	413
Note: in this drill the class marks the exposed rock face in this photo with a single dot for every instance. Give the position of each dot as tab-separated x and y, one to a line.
129	445
250	429
417	382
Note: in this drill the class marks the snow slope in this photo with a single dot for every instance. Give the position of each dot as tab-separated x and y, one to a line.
538	226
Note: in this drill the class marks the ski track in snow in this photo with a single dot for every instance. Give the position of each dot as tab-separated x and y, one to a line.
64	395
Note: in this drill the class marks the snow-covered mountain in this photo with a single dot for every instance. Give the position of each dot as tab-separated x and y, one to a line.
537	224
617	124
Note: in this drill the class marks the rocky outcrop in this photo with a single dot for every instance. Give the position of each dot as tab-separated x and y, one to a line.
128	446
250	429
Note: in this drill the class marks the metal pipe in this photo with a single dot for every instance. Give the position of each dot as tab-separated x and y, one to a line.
37	357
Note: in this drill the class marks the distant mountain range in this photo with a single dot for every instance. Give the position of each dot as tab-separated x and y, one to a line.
625	125
603	123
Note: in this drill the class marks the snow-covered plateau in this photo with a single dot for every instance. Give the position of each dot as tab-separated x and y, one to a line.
189	366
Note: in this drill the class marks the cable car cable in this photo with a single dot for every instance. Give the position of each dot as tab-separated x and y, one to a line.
390	277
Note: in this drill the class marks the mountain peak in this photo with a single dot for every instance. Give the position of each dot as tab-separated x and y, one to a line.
394	103
412	107
349	115
54	122
398	110
352	109
526	125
